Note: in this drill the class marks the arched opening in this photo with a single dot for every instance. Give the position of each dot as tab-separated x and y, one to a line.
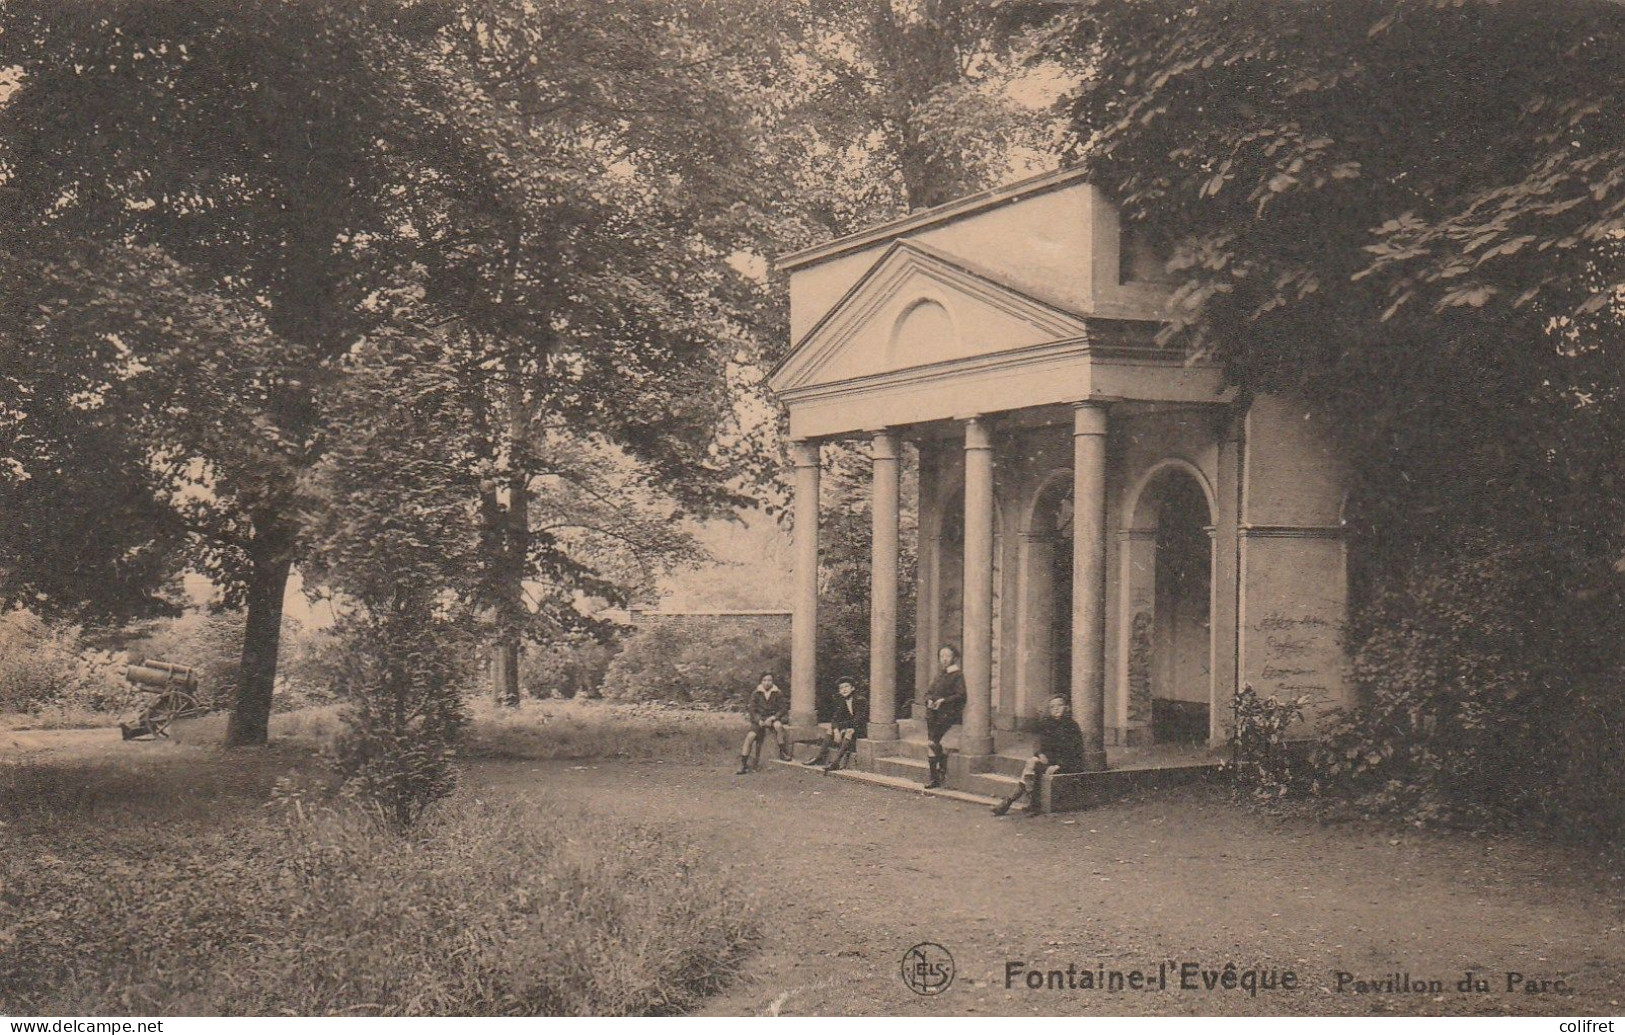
951	571
1044	662
1170	685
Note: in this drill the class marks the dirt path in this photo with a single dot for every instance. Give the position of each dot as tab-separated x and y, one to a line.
853	875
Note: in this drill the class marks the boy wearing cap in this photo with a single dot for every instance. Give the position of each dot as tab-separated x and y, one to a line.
848	720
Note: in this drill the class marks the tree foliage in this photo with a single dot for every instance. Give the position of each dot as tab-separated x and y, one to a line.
695	660
1371	168
209	209
1409	214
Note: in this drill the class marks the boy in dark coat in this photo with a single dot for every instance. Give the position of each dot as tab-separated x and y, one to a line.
848	720
1060	750
944	706
769	712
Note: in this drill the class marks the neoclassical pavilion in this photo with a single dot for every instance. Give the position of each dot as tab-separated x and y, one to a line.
1099	517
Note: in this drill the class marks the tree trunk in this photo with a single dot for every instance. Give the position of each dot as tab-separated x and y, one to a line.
515	558
262	634
505	658
505	670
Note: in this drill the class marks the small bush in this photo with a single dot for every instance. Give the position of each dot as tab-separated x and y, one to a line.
570	667
1262	762
46	666
695	662
403	680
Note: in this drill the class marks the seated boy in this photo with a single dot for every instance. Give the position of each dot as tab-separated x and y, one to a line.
1060	750
848	720
769	713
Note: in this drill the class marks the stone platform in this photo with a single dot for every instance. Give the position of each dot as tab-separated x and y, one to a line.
985	779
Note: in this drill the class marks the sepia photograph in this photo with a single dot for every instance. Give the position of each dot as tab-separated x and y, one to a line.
808	508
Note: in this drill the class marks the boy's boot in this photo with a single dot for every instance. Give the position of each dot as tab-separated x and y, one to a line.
1016	795
744	765
1030	785
841	757
821	757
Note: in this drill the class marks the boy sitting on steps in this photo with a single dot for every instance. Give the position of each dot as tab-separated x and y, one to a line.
848	720
1060	750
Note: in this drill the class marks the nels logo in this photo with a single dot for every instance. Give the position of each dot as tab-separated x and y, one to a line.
928	969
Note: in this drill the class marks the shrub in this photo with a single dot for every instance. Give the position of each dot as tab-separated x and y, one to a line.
1490	683
1262	762
308	666
46	665
569	667
695	661
403	678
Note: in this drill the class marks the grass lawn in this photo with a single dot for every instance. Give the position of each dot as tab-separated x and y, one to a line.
178	878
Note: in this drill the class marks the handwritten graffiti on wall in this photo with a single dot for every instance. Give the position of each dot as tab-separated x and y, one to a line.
1301	654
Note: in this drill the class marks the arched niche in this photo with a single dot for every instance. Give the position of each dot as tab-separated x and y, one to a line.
1167	578
1043	664
924	333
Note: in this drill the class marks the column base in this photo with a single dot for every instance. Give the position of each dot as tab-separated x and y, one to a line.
868	751
1135	736
883	731
975	745
800	720
962	766
1095	761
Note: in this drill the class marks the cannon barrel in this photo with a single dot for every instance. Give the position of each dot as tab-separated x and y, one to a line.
149	672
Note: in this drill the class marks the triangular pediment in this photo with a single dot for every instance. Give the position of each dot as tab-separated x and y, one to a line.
916	307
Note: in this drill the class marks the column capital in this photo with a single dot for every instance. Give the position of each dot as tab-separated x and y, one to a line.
884	445
978	433
804	452
1088	418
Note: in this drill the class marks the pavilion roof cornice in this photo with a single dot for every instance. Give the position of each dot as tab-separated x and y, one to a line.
959	208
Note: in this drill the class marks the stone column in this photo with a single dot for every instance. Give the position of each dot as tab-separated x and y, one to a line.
976	735
883	592
804	623
1089	579
1225	613
1035	647
926	602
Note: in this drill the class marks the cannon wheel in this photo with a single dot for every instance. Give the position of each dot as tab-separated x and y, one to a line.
174	704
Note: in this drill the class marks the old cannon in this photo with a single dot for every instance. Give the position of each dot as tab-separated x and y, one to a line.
171	694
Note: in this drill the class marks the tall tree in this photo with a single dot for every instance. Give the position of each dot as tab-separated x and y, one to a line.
207	178
591	291
1409	213
244	194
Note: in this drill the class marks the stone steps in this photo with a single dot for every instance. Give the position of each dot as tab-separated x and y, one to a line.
917	771
919	750
901	765
898	783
